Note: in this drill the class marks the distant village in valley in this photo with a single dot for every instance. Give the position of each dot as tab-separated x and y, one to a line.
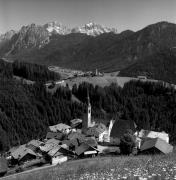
84	138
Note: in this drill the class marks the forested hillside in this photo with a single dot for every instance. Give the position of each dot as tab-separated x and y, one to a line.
161	66
28	71
27	110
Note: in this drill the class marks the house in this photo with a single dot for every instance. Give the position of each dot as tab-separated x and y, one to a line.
121	126
76	135
84	147
156	145
99	131
49	144
60	128
108	149
53	141
60	150
22	154
55	135
59	159
34	145
60	154
91	141
153	134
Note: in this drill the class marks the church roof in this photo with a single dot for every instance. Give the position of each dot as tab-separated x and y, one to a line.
120	126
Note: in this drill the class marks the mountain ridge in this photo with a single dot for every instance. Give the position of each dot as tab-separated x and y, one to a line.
107	52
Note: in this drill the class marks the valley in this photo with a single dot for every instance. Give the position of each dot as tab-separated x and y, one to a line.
51	75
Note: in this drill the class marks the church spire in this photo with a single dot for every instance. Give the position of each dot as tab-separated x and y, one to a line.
89	122
88	98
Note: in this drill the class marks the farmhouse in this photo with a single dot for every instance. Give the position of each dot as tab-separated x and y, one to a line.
55	135
22	154
153	134
84	147
156	145
34	145
60	128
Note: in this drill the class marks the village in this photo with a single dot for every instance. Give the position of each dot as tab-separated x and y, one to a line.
82	139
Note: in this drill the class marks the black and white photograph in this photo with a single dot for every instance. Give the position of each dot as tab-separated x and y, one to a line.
87	89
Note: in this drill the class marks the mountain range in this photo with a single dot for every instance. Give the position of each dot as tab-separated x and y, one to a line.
93	46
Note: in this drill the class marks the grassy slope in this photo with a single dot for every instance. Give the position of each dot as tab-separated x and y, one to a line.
107	167
100	81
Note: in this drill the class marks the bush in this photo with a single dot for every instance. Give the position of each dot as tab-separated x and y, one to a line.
127	143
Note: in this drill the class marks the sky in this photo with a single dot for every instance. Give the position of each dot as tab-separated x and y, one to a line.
121	14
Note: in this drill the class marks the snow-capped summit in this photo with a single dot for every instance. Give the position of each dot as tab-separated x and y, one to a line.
93	29
54	27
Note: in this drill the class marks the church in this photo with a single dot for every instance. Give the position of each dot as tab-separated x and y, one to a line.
98	130
114	130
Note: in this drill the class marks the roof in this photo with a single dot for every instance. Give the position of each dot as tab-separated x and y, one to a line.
3	165
67	142
76	122
83	148
91	141
157	143
59	127
21	151
47	147
35	143
153	134
54	150
60	150
120	127
11	150
94	131
76	135
53	141
50	144
74	142
56	135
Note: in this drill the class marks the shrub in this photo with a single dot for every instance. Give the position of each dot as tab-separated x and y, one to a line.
127	143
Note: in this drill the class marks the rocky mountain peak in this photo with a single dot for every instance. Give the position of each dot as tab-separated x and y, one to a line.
93	29
8	35
57	28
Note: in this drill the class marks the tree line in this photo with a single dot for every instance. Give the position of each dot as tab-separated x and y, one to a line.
28	71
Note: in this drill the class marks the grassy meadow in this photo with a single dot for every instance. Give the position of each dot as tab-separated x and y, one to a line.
154	167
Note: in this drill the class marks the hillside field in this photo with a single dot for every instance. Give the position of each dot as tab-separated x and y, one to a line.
103	81
112	167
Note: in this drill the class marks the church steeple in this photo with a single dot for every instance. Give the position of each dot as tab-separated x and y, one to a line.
89	122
